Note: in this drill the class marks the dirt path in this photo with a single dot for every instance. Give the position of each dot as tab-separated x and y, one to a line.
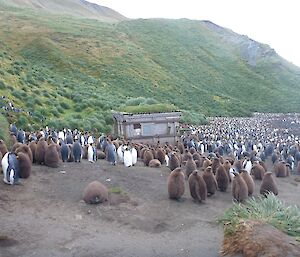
45	216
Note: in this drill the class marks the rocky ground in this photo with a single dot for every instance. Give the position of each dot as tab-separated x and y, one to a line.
45	215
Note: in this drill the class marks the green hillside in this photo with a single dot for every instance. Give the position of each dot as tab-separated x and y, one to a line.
65	71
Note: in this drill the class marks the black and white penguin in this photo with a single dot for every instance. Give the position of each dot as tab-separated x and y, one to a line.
77	151
10	168
127	157
90	153
64	152
21	136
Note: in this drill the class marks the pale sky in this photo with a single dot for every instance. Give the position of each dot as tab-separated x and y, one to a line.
273	22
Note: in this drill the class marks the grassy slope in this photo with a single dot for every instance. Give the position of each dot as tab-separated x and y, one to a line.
74	71
4	129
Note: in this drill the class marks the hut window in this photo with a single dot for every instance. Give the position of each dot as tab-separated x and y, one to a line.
137	126
137	129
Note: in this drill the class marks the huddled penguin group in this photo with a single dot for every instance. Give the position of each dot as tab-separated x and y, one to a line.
229	155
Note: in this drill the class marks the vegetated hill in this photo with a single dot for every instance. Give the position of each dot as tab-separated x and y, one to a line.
72	72
78	8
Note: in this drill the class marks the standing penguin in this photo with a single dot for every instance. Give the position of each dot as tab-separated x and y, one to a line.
120	153
148	156
215	164
247	165
222	178
268	185
280	169
160	155
90	153
190	166
110	151
257	171
197	186
133	155
32	145
127	157
77	151
25	149
176	184
40	151
249	181
3	148
10	168
21	136
173	161
24	165
239	188
210	181
52	156
64	151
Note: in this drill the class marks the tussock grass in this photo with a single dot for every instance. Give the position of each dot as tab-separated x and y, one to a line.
115	190
4	130
149	108
268	210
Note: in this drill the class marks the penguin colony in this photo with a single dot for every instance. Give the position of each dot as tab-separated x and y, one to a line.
207	160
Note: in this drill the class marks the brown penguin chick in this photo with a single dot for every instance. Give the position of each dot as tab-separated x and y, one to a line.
116	143
192	150
280	169
15	146
153	152
185	155
220	157
197	186
190	166
51	156
231	160
49	140
178	154
3	147
198	159
298	168
13	139
25	149
167	150
25	165
100	155
238	164
249	181
268	185
85	152
215	164
32	145
239	188
227	167
148	156
154	163
206	163
257	171
160	155
210	181
176	184
174	161
180	147
263	165
95	193
40	151
142	152
222	178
